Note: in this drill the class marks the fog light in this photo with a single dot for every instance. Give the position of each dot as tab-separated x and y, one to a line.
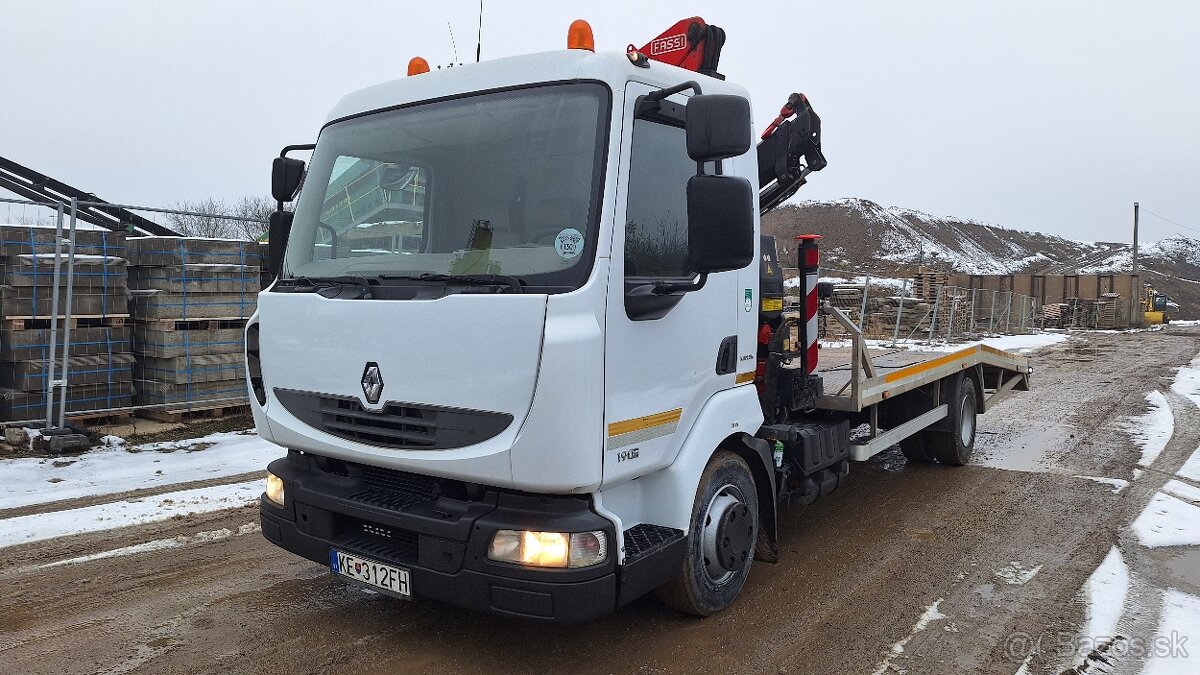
549	549
275	488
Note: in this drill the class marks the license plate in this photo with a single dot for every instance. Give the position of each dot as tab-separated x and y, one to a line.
387	577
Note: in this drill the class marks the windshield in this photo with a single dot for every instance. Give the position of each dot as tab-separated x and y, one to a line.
505	183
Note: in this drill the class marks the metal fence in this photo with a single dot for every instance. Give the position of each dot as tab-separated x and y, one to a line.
65	361
893	310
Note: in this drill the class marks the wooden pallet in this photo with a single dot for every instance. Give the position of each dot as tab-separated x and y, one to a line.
101	418
198	411
76	321
193	324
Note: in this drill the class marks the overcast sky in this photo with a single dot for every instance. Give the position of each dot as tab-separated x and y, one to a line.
1051	116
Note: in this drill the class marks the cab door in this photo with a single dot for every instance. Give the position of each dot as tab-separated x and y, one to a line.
664	355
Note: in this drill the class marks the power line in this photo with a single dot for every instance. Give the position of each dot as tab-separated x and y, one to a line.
1176	224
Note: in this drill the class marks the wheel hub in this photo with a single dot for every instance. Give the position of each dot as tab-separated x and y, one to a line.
728	536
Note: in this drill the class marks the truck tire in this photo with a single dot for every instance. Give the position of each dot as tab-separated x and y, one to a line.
721	538
916	449
952	441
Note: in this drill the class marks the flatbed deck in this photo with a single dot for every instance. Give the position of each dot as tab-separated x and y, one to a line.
853	384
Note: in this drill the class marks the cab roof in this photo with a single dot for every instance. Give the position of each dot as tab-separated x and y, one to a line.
566	65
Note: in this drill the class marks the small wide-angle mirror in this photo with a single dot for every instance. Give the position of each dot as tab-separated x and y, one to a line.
286	174
718	127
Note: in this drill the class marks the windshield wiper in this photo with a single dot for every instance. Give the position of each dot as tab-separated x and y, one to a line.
497	281
341	287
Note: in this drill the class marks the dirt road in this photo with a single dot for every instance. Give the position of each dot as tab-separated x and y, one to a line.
919	569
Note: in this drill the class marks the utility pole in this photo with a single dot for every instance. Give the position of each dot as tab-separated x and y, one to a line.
1135	300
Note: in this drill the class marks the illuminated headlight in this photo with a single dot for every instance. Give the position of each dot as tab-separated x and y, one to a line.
275	488
549	549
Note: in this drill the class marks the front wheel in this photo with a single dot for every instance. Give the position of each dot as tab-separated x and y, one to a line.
721	537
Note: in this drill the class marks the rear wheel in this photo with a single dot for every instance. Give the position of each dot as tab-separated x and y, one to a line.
721	538
915	448
952	441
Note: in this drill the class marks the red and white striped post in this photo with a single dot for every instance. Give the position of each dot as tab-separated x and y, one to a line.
809	264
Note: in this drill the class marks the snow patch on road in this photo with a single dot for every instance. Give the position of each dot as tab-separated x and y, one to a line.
26	529
1182	490
930	614
1187	381
114	468
1116	483
1178	626
1017	575
1152	429
1105	592
156	545
1191	468
1168	521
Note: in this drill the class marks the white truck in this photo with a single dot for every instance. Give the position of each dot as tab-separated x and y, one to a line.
527	348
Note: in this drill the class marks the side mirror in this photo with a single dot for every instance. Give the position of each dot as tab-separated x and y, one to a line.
720	212
286	174
278	231
718	127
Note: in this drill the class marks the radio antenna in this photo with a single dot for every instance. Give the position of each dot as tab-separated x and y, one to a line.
453	46
479	35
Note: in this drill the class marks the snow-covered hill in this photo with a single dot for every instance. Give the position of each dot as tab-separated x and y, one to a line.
861	236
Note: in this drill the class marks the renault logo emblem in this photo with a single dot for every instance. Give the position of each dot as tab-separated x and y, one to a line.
372	382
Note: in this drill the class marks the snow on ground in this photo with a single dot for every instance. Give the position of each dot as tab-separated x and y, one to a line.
1191	468
1187	381
26	529
159	545
1020	344
1105	591
1168	521
114	468
930	614
1151	430
1175	650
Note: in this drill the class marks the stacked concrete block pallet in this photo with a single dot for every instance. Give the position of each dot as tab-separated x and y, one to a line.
191	298
100	363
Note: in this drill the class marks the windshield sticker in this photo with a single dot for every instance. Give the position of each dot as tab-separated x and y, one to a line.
568	243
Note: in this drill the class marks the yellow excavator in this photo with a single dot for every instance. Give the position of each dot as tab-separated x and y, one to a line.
1154	306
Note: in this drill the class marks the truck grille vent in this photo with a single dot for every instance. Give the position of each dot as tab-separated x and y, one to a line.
641	540
396	425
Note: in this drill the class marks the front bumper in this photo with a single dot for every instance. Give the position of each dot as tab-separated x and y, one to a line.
440	530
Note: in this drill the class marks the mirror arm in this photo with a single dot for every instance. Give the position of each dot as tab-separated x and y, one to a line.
649	104
284	153
670	289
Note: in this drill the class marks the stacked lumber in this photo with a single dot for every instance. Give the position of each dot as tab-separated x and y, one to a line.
100	362
191	298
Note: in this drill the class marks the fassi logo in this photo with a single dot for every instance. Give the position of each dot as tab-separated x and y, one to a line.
670	43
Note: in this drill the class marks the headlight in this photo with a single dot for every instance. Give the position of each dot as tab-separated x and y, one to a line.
549	549
275	488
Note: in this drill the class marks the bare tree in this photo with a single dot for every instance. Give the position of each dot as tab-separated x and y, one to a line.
252	213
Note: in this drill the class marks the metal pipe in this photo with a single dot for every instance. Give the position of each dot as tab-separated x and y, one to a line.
862	313
937	301
62	409
992	315
899	313
53	316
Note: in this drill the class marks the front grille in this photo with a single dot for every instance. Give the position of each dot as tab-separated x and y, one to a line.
396	425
